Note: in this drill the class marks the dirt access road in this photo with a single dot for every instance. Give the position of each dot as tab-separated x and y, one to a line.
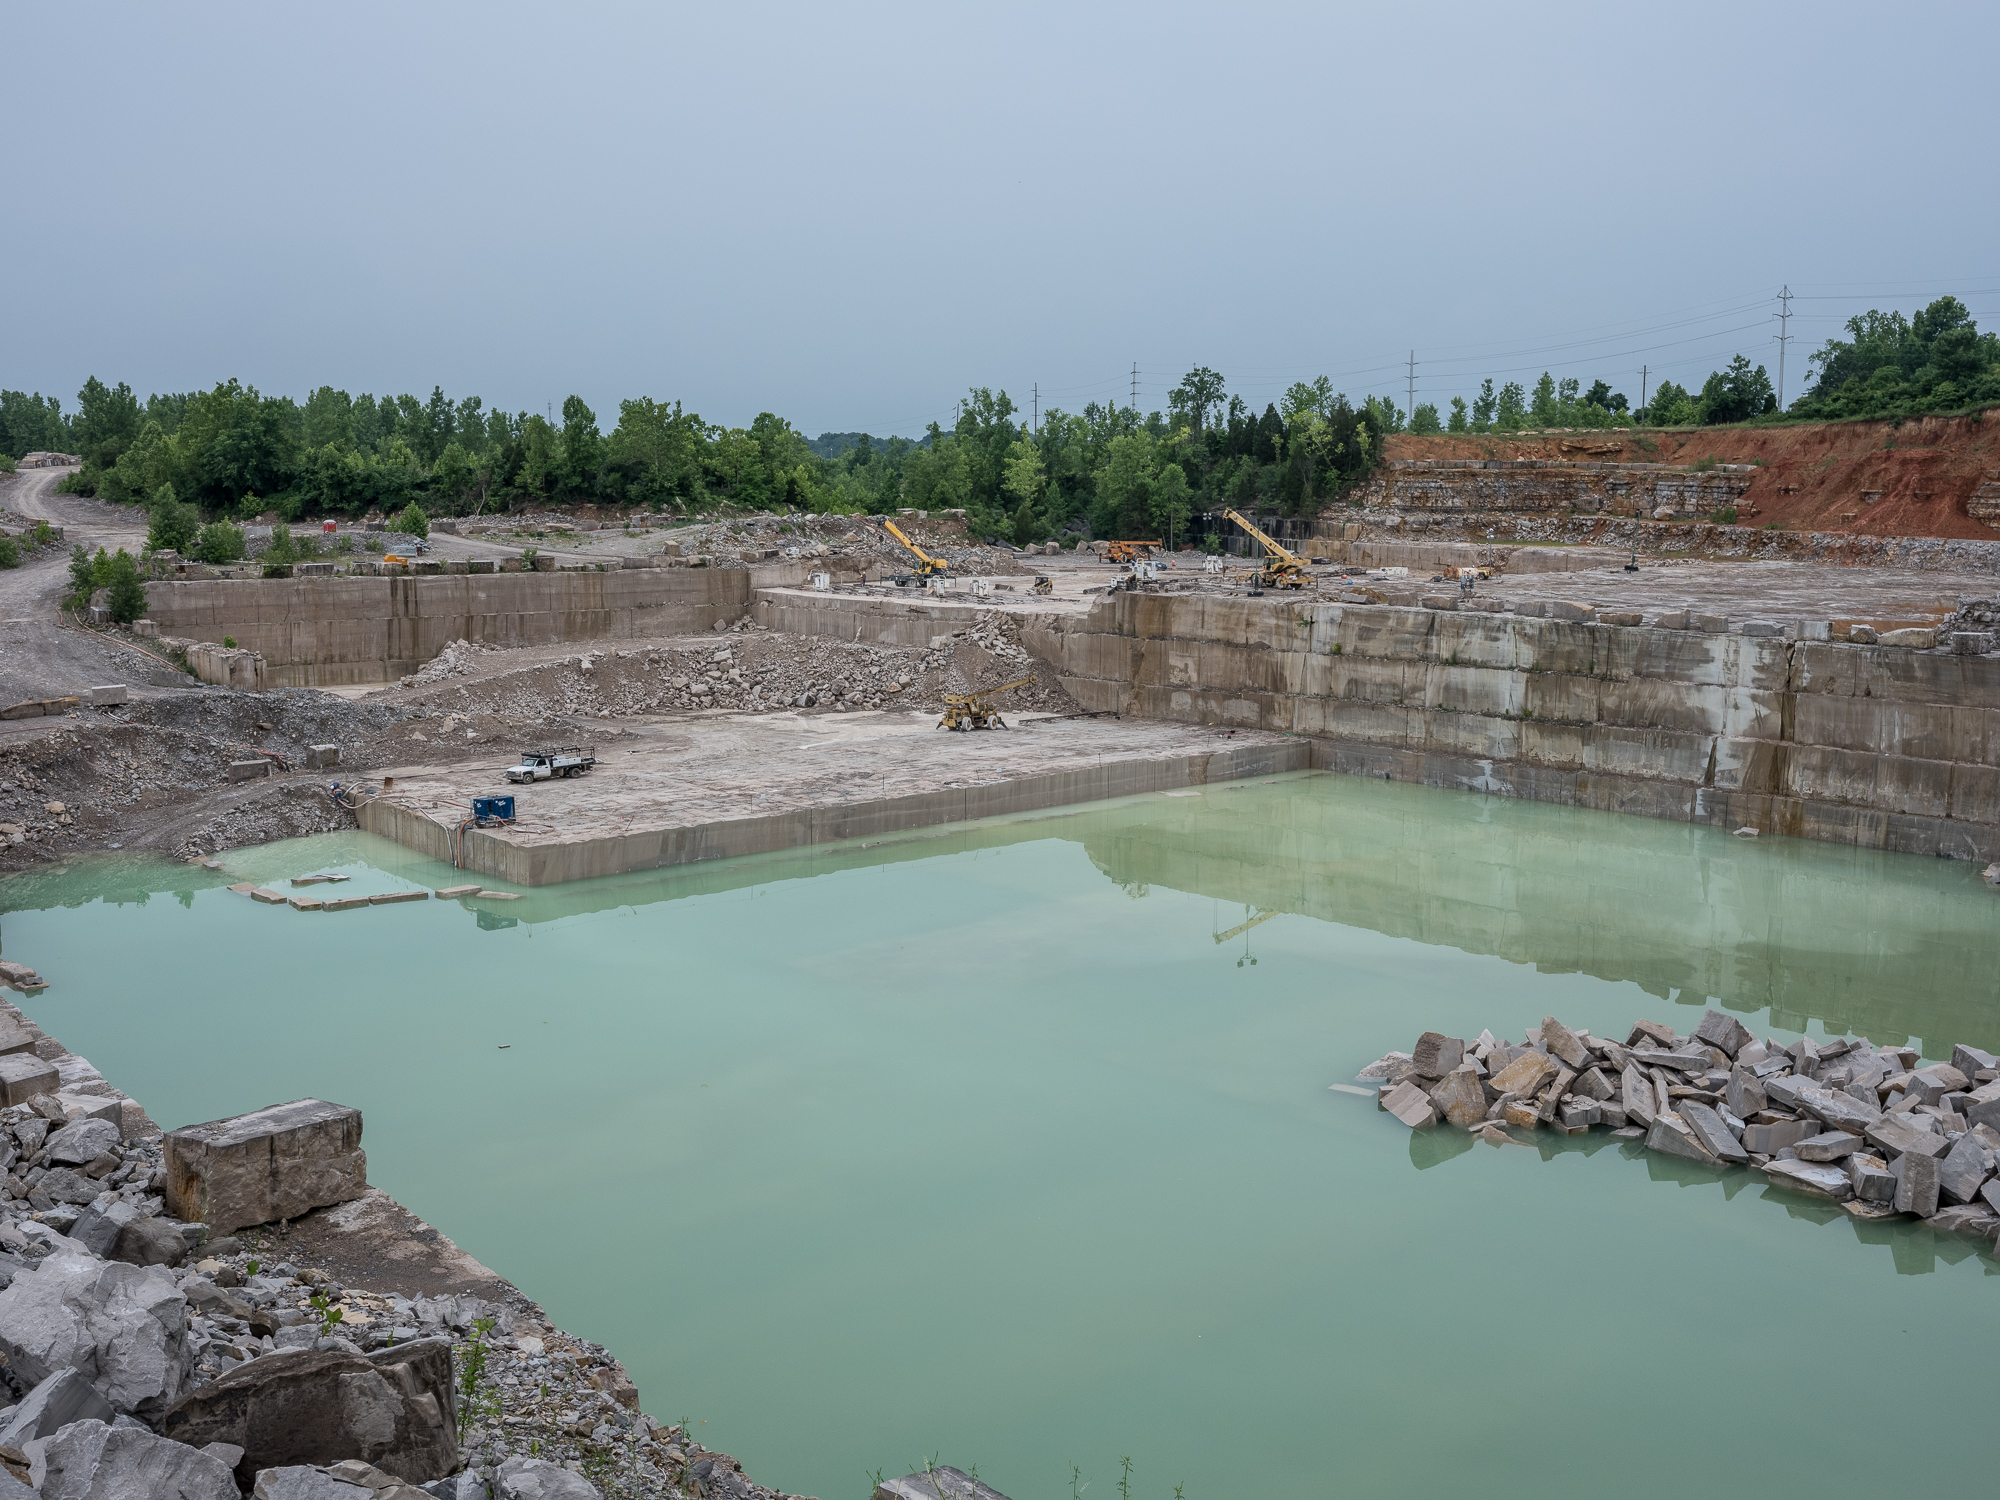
41	657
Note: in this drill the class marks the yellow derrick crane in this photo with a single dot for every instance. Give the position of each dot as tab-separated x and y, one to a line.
1282	569
975	710
927	566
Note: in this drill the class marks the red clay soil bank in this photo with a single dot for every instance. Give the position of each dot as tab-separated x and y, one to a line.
1815	476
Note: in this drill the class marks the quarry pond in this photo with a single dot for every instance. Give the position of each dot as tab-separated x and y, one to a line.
1014	1143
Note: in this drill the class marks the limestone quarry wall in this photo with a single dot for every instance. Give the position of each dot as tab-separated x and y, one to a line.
1876	746
327	632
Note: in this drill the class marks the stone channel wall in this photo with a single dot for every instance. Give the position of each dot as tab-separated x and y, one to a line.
1877	746
327	632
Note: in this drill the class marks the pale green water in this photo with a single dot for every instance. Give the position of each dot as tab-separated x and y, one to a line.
983	1145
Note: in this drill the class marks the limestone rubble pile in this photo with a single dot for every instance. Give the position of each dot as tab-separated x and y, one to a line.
142	1356
746	669
1874	1129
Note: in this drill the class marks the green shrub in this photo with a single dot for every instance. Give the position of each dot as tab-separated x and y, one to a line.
10	553
172	526
1726	516
229	642
412	522
281	549
219	543
128	595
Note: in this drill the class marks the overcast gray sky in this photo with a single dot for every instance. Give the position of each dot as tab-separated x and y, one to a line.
849	214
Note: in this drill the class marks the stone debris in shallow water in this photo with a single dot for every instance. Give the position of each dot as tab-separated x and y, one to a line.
1874	1129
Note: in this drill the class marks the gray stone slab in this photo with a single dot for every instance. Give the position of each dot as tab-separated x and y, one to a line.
1525	1075
1840	1111
1563	1044
1674	1136
1715	1135
1916	1184
1898	1134
24	1075
1411	1105
1771	1139
1818	1179
1719	1029
1962	1171
1437	1054
1636	1091
1831	1146
1872	1179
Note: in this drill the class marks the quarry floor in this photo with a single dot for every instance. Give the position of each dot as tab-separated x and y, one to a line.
712	785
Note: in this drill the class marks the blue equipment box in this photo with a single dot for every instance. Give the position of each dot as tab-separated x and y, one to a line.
484	808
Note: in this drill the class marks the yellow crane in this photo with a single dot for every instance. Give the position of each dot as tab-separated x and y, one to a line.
1282	569
927	566
973	710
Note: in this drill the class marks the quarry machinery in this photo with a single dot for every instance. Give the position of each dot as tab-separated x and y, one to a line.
1124	552
927	568
965	711
1282	569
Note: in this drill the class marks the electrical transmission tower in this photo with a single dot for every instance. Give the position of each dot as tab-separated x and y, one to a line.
1410	411
1642	387
1035	426
1135	388
1784	337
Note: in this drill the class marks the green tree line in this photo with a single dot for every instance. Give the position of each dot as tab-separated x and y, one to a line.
201	459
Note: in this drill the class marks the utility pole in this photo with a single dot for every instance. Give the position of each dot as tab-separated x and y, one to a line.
1784	338
1642	387
1411	410
1135	388
1035	426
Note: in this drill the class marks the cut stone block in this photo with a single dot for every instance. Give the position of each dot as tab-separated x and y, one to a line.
1521	1113
1817	1179
453	892
306	903
248	770
1970	1060
1745	1095
345	903
1411	1105
108	694
266	896
1437	1054
1962	1171
1594	1085
1771	1139
1830	1146
1872	1179
1715	1135
1916	1184
390	898
24	1075
1725	1031
274	1163
1637	1094
1563	1045
1673	1135
1840	1111
1525	1075
1982	1105
1899	1134
1460	1097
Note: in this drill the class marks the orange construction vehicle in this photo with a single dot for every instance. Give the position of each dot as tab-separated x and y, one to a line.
1124	552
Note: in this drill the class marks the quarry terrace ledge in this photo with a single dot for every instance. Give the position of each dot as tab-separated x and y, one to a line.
651	808
1884	747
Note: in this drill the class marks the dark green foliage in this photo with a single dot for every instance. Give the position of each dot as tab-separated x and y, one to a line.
172	526
127	596
1425	418
412	522
1892	366
10	552
31	424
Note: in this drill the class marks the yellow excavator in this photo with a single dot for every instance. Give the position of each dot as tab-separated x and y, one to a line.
1125	552
1282	569
964	711
927	568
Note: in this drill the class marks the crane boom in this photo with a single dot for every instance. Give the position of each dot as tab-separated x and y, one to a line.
1282	569
927	566
973	710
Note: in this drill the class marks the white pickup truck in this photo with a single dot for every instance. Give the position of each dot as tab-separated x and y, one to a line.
540	765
